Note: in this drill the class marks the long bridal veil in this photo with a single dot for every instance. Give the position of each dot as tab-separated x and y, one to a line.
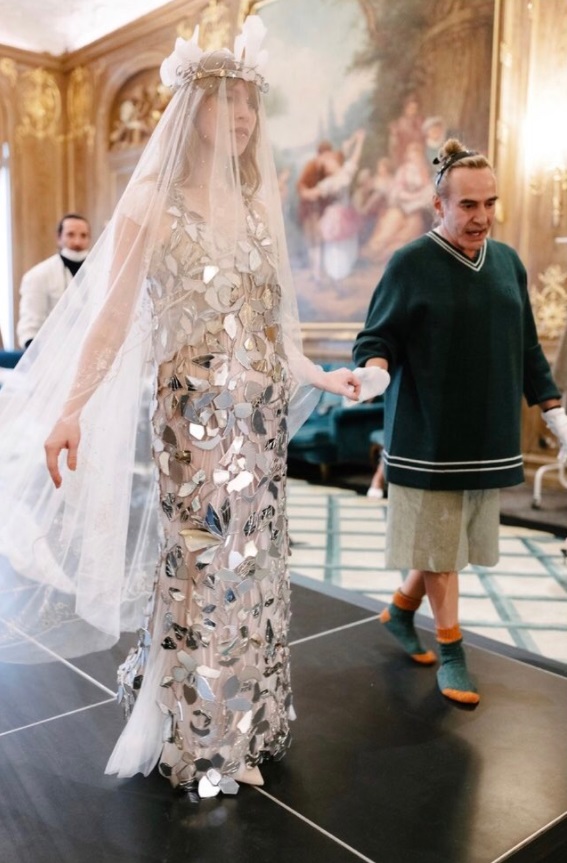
77	563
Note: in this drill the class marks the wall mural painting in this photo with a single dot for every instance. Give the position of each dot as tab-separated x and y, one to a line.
362	93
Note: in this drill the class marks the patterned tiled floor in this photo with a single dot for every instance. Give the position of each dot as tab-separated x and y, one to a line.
338	539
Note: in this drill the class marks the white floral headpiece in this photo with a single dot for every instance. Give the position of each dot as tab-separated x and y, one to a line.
186	62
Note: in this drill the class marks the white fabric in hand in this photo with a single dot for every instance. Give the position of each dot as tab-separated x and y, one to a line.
556	421
373	382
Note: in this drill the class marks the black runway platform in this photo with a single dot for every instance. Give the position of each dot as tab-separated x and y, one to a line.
381	768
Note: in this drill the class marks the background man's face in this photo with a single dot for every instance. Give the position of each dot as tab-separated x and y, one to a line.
75	235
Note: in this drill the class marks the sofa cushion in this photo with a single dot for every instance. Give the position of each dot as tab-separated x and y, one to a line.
334	434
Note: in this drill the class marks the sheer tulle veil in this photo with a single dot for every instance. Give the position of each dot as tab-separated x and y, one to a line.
77	563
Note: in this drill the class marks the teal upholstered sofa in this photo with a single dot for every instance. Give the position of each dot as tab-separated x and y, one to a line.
335	435
8	360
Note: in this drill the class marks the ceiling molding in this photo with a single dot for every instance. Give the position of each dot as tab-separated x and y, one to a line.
61	29
31	58
155	22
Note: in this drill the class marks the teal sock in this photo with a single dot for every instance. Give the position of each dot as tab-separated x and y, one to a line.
452	675
400	623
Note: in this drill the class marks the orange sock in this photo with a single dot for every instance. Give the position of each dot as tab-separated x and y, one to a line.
446	636
452	675
407	603
398	619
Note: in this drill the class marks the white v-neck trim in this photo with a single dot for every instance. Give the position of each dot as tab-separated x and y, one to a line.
475	265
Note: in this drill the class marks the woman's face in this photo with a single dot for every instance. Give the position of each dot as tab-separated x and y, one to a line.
242	101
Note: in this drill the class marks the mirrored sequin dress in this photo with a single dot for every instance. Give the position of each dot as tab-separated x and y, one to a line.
220	606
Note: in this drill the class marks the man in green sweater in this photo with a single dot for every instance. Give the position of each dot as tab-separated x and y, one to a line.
451	322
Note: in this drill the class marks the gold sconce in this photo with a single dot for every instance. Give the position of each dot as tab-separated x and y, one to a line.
559	186
556	177
546	153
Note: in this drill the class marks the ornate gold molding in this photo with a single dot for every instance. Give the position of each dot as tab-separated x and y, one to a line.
251	7
550	302
80	94
506	55
40	105
9	69
215	27
329	340
215	22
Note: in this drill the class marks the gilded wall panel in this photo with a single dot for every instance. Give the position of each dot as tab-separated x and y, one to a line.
79	137
39	106
32	127
531	158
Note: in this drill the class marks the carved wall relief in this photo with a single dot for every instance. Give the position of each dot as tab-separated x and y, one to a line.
139	104
39	105
549	302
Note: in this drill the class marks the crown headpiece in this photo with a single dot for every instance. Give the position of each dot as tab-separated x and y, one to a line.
188	62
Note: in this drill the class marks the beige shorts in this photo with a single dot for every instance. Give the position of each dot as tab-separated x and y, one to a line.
441	531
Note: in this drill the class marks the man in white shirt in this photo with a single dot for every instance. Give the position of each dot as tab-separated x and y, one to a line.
43	285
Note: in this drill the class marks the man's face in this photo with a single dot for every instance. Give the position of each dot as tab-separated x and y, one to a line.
75	235
467	212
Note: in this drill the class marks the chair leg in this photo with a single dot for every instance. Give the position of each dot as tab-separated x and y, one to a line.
538	481
325	472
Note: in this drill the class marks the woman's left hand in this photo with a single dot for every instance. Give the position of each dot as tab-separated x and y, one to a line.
343	382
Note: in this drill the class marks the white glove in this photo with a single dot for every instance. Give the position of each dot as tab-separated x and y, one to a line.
373	382
556	421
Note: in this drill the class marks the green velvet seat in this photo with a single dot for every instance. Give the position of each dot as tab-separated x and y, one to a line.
336	435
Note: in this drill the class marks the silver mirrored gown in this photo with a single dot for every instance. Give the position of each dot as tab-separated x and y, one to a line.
220	605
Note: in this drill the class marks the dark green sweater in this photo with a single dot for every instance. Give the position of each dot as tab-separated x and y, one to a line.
462	347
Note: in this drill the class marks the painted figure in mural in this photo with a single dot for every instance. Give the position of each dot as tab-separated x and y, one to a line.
405	130
331	221
434	133
371	194
192	335
312	206
340	222
452	323
408	213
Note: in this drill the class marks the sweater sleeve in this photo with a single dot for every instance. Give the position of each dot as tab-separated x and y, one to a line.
538	380
381	335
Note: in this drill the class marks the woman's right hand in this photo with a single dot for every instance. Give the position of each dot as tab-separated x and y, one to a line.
66	434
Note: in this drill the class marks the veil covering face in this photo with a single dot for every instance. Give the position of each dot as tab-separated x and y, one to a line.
77	564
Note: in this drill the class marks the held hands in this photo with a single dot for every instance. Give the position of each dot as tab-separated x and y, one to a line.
65	434
556	421
343	382
373	382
